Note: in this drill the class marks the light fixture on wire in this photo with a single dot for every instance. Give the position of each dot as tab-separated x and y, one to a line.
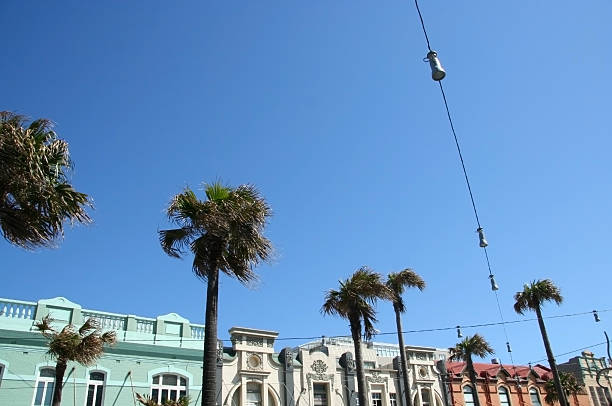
508	346
494	285
596	316
459	334
437	71
482	241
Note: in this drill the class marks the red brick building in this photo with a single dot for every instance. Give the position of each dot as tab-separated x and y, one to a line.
502	385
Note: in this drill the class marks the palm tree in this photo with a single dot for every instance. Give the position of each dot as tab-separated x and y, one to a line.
463	351
531	298
354	301
568	382
224	233
36	197
397	282
84	346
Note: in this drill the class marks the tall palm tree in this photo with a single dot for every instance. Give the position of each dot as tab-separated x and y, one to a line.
84	346
531	298
397	282
36	196
568	382
463	351
224	233
354	301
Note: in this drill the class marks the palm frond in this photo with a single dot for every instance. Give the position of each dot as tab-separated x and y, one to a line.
398	282
535	294
474	345
36	197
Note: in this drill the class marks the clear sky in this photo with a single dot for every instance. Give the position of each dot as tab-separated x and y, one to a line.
328	108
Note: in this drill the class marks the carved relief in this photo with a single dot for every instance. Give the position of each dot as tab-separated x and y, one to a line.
376	378
254	361
254	341
319	367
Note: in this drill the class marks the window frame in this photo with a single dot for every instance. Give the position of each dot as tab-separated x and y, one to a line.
320	388
471	392
160	386
533	390
45	380
379	398
96	383
506	392
392	399
429	401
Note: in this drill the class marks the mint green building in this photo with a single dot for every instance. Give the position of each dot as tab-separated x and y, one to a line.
162	357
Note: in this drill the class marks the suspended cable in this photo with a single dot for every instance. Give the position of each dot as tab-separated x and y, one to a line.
425	330
438	74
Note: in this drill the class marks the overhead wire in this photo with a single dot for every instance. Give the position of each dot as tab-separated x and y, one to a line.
424	330
469	187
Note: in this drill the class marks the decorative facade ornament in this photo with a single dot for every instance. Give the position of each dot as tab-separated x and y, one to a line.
319	367
236	339
254	361
376	378
254	341
423	372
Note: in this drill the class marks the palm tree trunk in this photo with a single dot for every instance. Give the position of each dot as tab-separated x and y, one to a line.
209	374
472	374
361	382
551	359
403	363
60	370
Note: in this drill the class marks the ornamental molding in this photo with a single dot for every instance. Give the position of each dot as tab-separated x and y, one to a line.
320	368
254	341
254	361
376	378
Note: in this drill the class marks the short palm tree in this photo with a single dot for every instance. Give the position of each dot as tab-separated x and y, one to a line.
463	351
354	301
531	298
568	382
224	233
397	282
84	346
36	196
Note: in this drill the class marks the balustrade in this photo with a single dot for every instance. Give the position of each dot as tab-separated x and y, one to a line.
17	309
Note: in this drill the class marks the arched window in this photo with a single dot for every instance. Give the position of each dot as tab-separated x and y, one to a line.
425	397
43	391
468	395
504	396
535	397
168	387
95	389
254	394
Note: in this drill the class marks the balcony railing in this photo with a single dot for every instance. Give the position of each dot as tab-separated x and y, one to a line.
18	314
17	309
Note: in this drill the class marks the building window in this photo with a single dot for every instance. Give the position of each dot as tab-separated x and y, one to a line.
504	397
425	397
168	387
253	394
468	395
95	389
43	391
376	399
320	394
535	397
392	399
1	373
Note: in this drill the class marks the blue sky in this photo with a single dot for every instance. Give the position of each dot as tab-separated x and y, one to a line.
328	108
